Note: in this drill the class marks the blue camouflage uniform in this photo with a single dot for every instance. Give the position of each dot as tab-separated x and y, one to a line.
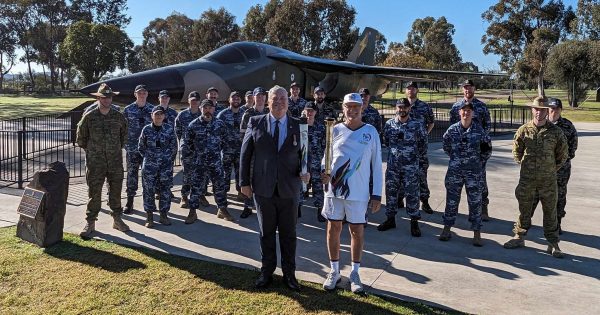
158	147
468	150
233	144
170	116
202	144
481	116
182	122
296	107
219	108
316	149
423	112
405	142
371	116
327	111
137	118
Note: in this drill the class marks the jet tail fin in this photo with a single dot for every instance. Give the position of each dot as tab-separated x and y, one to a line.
364	49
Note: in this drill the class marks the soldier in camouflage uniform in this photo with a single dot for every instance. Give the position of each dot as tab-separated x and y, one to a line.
564	173
541	149
96	104
481	116
422	111
158	147
202	143
213	94
404	136
324	109
182	122
296	103
468	147
259	108
249	98
102	134
137	115
370	114
232	117
170	113
316	149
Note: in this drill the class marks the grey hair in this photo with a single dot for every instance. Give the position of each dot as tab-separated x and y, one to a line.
276	89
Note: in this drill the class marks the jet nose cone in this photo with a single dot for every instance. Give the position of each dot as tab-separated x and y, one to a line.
155	80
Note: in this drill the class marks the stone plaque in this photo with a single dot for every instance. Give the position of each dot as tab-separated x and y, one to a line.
30	203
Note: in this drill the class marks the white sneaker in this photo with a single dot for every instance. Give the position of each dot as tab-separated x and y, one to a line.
332	280
355	284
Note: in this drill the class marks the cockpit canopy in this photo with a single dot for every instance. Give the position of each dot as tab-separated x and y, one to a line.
239	52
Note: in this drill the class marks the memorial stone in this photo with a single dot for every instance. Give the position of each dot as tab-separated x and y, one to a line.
43	206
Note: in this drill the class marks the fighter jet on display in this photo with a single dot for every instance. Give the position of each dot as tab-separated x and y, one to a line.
242	66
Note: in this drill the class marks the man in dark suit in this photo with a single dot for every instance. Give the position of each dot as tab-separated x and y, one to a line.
270	169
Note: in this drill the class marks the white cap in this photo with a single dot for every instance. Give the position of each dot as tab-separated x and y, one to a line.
352	98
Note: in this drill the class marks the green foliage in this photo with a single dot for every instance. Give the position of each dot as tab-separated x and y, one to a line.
166	41
401	56
432	39
320	28
179	38
522	32
100	12
7	51
586	23
214	29
575	65
95	49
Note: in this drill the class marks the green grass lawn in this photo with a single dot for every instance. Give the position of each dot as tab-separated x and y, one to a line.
21	106
98	277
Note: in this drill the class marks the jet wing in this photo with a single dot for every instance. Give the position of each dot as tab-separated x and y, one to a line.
407	78
326	65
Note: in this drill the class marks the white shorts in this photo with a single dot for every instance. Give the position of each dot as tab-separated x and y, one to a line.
335	209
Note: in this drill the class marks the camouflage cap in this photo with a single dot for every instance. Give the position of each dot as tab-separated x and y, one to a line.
105	91
466	104
554	103
207	102
158	109
412	84
403	102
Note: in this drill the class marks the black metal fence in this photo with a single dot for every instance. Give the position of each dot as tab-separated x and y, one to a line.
29	144
504	118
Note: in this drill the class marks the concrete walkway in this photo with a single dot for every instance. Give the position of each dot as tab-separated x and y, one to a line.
454	274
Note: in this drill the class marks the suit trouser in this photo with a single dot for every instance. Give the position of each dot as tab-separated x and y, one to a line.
274	214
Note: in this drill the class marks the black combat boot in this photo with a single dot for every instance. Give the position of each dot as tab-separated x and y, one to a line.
425	206
414	228
484	213
390	223
129	205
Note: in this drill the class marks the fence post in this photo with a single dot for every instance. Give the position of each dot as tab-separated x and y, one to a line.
20	159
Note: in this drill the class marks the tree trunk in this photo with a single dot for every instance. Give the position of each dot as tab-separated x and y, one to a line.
31	80
540	84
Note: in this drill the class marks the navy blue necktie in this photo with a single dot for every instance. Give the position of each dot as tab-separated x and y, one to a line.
276	134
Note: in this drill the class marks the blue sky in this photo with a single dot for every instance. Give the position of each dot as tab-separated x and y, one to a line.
393	18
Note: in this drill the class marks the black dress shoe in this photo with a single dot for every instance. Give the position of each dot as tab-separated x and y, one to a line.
291	282
263	281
